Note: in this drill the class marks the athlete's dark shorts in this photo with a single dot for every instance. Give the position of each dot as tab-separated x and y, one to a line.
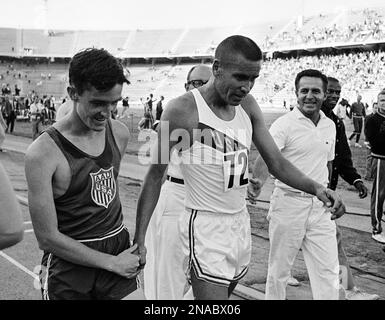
69	281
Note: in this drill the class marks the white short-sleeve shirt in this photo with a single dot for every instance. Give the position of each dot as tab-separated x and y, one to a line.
307	146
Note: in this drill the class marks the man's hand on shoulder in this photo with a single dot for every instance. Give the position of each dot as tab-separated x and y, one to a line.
332	200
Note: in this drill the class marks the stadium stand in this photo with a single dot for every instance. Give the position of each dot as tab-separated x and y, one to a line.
348	44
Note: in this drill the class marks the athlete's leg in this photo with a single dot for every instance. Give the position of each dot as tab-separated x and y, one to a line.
287	218
213	258
204	290
360	123
375	203
321	255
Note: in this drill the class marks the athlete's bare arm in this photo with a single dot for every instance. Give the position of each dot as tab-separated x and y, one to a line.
283	169
11	224
43	166
180	113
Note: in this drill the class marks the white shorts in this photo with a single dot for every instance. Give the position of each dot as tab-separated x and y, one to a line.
164	277
216	245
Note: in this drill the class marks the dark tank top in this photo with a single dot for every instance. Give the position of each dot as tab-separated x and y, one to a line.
90	208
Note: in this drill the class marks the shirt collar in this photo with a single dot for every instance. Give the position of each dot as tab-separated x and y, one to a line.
300	115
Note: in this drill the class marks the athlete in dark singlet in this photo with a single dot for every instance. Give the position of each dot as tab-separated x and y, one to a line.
73	194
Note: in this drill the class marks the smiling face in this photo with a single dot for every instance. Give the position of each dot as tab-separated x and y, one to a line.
94	107
310	96
333	93
235	77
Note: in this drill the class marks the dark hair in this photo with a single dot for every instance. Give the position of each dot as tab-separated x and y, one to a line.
313	74
331	79
238	44
344	102
95	67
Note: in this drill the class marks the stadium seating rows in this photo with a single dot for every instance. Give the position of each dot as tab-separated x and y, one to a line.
363	72
346	26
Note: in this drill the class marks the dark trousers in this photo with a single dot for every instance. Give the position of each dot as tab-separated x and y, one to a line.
11	122
378	195
357	122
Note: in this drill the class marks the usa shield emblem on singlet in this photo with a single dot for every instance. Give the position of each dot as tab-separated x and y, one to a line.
103	189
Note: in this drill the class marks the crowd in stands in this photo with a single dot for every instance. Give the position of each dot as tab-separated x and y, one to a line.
357	71
371	25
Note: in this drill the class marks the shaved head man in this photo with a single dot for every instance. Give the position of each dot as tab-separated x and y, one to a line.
198	76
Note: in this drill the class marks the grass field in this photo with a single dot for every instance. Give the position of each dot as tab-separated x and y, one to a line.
23	128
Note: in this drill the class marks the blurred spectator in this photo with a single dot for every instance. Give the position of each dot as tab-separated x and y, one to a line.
341	110
159	108
150	101
17	91
10	114
3	127
7	89
375	135
369	159
125	105
36	109
358	113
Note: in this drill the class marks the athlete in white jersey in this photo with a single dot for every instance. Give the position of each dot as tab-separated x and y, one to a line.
218	231
164	277
215	168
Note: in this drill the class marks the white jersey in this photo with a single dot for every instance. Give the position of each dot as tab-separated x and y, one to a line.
215	167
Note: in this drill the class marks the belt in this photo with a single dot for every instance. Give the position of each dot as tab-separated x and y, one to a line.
292	193
175	180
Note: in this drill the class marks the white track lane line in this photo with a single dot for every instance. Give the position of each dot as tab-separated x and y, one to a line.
29	231
19	265
27	222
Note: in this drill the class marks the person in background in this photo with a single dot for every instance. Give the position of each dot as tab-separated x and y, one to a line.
343	166
164	277
358	113
159	108
375	135
297	220
36	111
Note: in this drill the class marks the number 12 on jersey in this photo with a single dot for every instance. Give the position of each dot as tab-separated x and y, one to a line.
235	169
